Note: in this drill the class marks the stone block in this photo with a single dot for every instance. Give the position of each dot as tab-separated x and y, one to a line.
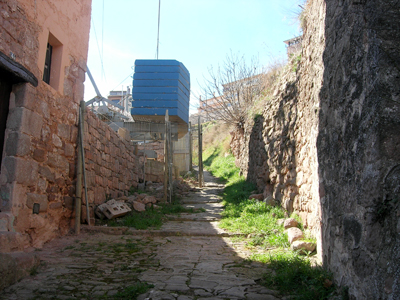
290	222
69	202
64	131
25	120
303	247
12	241
149	199
56	140
21	170
69	150
25	96
15	266
257	197
18	144
47	174
294	234
39	155
36	198
138	206
113	209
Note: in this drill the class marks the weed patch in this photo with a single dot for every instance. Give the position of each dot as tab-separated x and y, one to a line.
294	275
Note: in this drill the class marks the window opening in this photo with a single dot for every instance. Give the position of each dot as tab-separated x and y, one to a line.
47	64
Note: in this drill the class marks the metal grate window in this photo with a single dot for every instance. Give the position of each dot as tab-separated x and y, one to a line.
47	64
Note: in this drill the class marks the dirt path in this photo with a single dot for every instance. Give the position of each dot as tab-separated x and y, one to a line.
188	258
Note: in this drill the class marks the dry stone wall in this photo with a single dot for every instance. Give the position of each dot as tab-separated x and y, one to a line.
112	166
327	144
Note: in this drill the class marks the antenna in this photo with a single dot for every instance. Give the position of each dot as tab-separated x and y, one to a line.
158	32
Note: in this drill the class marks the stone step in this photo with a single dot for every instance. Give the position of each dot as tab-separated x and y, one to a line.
12	241
171	228
15	266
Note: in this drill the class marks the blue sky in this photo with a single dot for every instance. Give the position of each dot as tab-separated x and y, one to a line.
198	33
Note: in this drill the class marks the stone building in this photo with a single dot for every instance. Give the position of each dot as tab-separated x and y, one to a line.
43	53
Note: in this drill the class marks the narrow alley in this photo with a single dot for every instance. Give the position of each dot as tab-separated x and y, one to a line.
188	258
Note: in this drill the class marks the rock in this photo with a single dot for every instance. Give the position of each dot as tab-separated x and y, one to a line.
280	221
294	234
269	201
303	246
138	206
141	196
156	206
258	197
290	223
149	199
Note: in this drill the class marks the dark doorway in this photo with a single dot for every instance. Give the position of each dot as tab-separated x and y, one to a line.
5	90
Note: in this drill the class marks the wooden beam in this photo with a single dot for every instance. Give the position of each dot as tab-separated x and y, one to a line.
17	72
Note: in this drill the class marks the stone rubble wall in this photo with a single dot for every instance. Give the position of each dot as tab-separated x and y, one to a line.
327	143
112	166
359	147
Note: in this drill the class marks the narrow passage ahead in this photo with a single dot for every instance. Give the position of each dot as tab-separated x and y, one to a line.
188	258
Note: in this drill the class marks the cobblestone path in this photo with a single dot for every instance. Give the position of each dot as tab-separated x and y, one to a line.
188	258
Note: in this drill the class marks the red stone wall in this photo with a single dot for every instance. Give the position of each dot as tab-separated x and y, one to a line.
111	164
39	157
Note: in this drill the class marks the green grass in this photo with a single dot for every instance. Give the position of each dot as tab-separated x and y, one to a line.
292	274
242	215
151	217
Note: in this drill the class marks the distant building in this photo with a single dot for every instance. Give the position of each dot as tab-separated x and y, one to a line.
293	45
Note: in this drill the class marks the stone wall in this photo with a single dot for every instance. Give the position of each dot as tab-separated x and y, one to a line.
39	156
359	146
327	144
112	166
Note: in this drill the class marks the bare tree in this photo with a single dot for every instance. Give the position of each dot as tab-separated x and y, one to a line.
230	91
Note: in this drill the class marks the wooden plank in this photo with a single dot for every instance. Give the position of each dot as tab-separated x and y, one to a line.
17	72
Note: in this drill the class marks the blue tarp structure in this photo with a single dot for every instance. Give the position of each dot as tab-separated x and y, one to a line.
158	85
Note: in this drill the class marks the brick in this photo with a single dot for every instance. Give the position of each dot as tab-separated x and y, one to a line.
36	198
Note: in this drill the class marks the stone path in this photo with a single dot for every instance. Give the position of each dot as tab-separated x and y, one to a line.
188	258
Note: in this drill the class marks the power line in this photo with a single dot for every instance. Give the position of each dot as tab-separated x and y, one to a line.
98	48
158	31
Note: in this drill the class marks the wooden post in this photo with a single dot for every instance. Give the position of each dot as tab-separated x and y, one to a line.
78	192
190	147
82	150
166	157
200	155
